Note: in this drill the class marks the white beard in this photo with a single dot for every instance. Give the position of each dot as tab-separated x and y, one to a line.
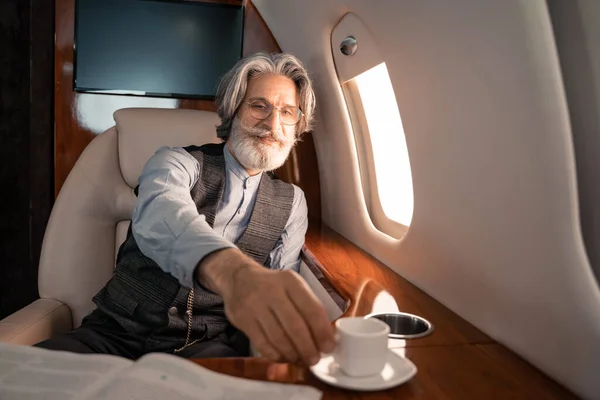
252	153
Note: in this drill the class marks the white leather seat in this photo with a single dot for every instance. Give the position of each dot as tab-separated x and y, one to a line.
91	215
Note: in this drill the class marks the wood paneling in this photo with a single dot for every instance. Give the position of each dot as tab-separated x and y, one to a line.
301	169
364	281
82	116
461	372
257	36
70	135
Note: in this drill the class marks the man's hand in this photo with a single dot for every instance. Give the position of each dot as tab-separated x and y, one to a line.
276	309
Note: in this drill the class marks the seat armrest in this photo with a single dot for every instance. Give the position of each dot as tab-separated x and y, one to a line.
36	322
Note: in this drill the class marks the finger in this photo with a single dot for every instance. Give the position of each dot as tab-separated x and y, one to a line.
277	337
261	343
295	327
313	313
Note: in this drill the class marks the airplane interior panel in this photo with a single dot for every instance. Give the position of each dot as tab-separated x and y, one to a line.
496	233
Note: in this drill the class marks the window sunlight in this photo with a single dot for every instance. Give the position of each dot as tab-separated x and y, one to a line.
390	154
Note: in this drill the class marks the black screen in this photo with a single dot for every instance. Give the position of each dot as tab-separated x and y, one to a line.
155	48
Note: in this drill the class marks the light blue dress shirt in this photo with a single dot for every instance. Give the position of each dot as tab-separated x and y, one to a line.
168	228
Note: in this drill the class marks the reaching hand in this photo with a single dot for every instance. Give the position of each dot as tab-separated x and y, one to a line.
280	315
276	309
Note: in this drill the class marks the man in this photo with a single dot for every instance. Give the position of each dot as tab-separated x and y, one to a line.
191	274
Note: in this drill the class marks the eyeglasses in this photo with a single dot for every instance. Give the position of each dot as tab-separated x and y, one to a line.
260	109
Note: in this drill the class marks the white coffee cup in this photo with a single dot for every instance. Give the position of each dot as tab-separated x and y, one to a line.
362	346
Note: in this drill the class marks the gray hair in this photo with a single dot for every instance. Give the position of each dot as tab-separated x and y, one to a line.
232	87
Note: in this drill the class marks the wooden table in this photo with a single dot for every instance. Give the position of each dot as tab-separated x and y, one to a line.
468	372
456	362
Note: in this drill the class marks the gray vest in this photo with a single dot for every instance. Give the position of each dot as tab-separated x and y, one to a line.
143	298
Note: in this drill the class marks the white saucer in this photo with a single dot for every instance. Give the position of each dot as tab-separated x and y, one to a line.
396	371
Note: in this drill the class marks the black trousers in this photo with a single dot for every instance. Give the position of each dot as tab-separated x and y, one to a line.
99	333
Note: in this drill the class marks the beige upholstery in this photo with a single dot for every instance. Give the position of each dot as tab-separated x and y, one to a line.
36	322
91	215
143	131
78	252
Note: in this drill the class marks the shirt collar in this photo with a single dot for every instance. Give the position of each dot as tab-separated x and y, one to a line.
236	168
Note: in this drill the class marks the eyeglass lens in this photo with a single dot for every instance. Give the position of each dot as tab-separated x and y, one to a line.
261	110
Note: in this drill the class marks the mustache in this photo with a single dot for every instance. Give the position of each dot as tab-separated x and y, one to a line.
266	133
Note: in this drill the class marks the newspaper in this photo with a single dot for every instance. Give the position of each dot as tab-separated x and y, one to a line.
34	373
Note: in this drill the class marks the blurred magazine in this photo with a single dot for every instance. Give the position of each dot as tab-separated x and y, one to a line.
34	373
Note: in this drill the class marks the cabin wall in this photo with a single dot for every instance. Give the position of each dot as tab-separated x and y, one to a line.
577	32
495	234
26	51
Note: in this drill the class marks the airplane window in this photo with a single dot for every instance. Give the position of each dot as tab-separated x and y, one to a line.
382	147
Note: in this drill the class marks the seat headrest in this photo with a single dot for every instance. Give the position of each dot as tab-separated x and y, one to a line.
142	131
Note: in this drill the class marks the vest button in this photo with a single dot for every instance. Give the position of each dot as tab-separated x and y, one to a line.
173	311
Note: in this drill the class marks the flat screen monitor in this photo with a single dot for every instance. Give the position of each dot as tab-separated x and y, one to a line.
155	48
